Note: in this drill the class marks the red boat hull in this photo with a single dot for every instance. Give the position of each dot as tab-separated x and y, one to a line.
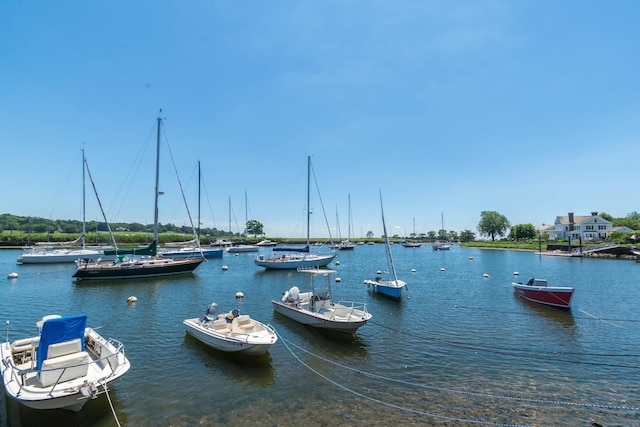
554	296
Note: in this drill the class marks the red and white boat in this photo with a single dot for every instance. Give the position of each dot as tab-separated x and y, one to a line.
538	290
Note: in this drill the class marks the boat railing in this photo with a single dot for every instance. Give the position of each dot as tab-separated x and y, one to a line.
350	308
19	374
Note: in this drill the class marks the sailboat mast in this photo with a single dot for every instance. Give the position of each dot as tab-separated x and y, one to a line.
230	233
84	207
199	182
308	196
386	241
246	216
155	213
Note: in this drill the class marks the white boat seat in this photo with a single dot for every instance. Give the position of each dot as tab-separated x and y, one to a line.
243	323
221	326
25	344
63	348
74	365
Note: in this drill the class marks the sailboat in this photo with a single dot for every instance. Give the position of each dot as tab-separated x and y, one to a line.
192	248
414	244
391	288
242	247
441	246
348	244
147	263
301	258
44	255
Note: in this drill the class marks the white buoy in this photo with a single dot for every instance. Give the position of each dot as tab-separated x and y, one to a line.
236	254
515	273
485	275
12	275
225	268
413	270
132	299
442	269
338	280
239	295
337	262
470	258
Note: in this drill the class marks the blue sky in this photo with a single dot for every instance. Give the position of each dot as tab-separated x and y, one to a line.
451	108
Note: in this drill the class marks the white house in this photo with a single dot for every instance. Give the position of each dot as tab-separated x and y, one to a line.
575	227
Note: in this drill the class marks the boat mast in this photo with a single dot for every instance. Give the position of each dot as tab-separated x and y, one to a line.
199	182
155	213
246	216
308	196
386	241
84	218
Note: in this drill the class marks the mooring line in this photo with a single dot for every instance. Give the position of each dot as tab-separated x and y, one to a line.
510	352
392	405
473	393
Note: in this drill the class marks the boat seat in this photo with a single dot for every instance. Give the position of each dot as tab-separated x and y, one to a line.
63	348
64	368
221	326
242	323
25	344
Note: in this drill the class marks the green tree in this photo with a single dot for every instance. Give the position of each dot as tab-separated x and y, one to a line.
254	227
369	234
467	236
493	224
522	232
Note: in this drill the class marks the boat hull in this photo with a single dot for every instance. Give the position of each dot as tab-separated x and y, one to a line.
136	269
106	364
548	295
292	262
242	249
318	320
255	343
193	253
390	289
60	256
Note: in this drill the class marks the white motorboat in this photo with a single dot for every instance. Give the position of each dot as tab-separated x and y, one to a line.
316	308
62	367
231	332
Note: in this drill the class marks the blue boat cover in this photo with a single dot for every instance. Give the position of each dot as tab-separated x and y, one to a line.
291	249
58	330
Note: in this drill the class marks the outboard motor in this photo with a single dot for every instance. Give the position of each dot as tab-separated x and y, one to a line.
212	310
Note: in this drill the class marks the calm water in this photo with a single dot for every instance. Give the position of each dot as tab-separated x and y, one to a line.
459	349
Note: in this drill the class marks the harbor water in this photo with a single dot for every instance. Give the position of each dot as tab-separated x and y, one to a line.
460	348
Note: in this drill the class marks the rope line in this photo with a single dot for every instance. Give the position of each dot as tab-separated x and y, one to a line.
473	393
392	405
113	411
512	352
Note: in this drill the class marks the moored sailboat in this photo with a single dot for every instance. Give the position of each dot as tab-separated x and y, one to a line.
390	287
302	257
138	262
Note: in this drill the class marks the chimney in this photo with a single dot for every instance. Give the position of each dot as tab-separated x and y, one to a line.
570	221
594	213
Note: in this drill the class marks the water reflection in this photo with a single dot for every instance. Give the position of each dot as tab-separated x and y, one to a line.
236	367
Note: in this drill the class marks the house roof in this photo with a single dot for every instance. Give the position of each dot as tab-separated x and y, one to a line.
577	219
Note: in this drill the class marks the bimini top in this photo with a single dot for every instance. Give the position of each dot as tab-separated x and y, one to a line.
58	330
